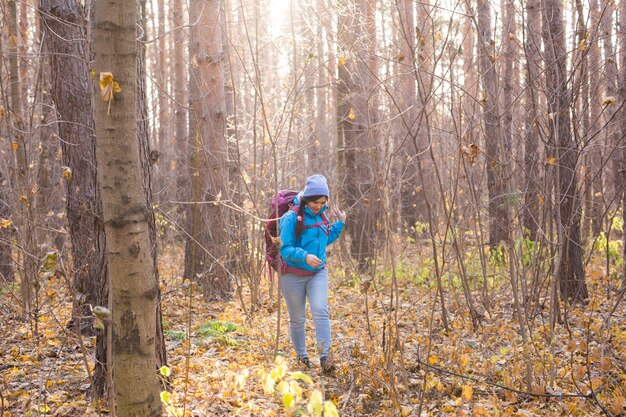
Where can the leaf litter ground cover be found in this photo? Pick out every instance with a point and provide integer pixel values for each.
(395, 357)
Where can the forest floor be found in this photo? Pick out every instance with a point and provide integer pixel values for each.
(395, 356)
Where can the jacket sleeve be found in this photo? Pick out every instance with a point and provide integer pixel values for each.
(288, 250)
(335, 231)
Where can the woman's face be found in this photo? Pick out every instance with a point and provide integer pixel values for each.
(317, 205)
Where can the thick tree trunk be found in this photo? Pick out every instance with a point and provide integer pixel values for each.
(62, 20)
(129, 249)
(357, 150)
(206, 252)
(571, 277)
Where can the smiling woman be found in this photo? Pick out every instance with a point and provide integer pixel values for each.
(305, 233)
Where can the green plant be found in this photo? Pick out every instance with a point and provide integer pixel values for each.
(612, 248)
(530, 250)
(172, 335)
(217, 330)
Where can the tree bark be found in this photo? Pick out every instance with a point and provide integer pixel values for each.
(531, 215)
(357, 148)
(570, 272)
(6, 228)
(63, 20)
(620, 175)
(206, 252)
(129, 250)
(180, 112)
(494, 151)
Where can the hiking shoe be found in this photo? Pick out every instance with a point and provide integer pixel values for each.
(328, 368)
(305, 362)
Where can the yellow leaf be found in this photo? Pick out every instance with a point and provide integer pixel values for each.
(552, 160)
(596, 383)
(583, 45)
(24, 200)
(438, 37)
(479, 411)
(165, 397)
(342, 60)
(351, 114)
(108, 87)
(406, 411)
(330, 410)
(541, 200)
(165, 371)
(288, 400)
(15, 146)
(315, 403)
(618, 405)
(433, 359)
(464, 360)
(268, 384)
(606, 101)
(67, 173)
(54, 342)
(302, 377)
(5, 223)
(467, 392)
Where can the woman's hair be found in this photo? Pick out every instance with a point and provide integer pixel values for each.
(303, 203)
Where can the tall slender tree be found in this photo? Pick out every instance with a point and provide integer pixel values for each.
(207, 249)
(532, 45)
(570, 272)
(6, 261)
(358, 153)
(498, 211)
(125, 212)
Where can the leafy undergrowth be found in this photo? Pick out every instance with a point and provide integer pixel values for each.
(394, 355)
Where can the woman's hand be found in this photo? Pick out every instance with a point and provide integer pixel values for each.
(341, 214)
(313, 261)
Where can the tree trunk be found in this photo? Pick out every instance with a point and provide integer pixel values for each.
(206, 252)
(357, 150)
(20, 175)
(147, 158)
(498, 204)
(570, 272)
(6, 228)
(180, 112)
(125, 215)
(620, 174)
(62, 20)
(411, 190)
(531, 215)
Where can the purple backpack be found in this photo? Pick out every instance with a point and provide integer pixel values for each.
(281, 204)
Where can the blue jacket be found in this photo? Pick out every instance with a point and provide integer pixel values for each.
(314, 241)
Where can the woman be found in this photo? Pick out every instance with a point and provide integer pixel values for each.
(305, 232)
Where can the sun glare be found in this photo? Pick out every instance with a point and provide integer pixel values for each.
(279, 12)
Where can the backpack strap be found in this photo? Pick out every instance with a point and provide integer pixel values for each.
(324, 224)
